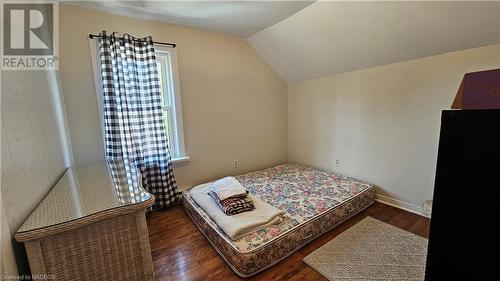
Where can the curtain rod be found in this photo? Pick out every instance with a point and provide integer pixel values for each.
(92, 36)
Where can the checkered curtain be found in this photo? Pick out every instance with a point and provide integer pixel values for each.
(127, 180)
(133, 113)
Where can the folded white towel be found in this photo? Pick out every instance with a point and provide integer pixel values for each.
(227, 187)
(240, 224)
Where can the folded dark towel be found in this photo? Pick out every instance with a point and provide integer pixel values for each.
(233, 205)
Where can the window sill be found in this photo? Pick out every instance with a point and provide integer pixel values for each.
(179, 160)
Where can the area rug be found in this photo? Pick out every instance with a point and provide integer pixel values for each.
(371, 250)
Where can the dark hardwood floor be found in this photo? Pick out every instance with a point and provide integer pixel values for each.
(181, 252)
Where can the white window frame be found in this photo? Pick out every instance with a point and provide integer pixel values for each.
(170, 53)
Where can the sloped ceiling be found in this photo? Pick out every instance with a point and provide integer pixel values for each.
(240, 18)
(328, 38)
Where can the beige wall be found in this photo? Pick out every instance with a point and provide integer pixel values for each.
(234, 105)
(382, 122)
(32, 154)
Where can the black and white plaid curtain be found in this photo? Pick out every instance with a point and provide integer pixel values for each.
(133, 113)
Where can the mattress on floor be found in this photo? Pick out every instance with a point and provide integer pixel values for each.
(314, 202)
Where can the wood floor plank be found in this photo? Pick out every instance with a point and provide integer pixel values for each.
(181, 252)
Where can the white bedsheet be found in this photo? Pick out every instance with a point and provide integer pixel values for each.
(240, 224)
(227, 187)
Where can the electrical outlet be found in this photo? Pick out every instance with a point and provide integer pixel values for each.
(337, 162)
(235, 163)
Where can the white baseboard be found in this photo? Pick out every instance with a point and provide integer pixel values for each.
(412, 208)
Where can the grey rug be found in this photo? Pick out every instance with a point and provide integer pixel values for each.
(371, 250)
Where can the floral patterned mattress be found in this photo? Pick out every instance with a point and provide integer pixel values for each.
(314, 201)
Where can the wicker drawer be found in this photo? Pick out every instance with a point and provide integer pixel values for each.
(88, 229)
(114, 249)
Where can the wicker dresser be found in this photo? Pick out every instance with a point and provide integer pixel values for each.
(91, 226)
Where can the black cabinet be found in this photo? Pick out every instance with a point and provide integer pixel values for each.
(464, 238)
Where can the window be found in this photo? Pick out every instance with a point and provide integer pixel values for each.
(169, 81)
(168, 76)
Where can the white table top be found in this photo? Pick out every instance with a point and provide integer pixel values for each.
(86, 192)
